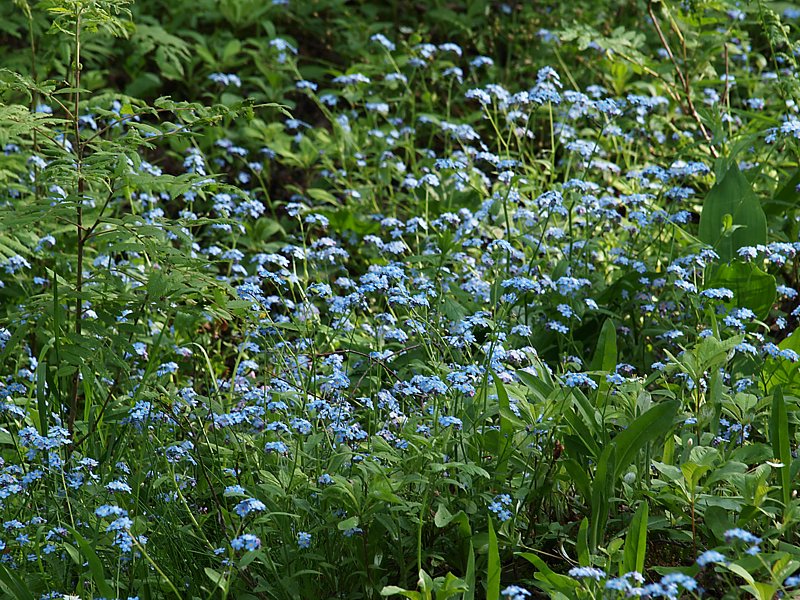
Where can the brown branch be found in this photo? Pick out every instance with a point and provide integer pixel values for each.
(683, 79)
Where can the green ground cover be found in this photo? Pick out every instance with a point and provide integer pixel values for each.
(337, 299)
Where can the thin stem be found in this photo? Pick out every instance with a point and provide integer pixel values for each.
(687, 90)
(73, 408)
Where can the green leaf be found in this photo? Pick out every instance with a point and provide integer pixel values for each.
(718, 520)
(443, 518)
(540, 388)
(693, 473)
(740, 571)
(636, 542)
(393, 590)
(506, 437)
(493, 567)
(784, 372)
(582, 544)
(761, 590)
(469, 576)
(347, 524)
(14, 584)
(781, 446)
(322, 196)
(556, 581)
(605, 354)
(785, 198)
(602, 490)
(217, 578)
(41, 395)
(579, 477)
(425, 582)
(452, 586)
(646, 428)
(752, 288)
(732, 195)
(95, 565)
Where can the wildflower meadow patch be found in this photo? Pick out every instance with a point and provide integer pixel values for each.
(359, 300)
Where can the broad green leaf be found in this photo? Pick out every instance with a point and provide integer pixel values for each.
(605, 354)
(636, 542)
(579, 477)
(761, 590)
(732, 199)
(752, 288)
(555, 581)
(693, 473)
(646, 428)
(540, 389)
(425, 582)
(740, 571)
(781, 371)
(451, 586)
(347, 524)
(443, 518)
(323, 196)
(393, 590)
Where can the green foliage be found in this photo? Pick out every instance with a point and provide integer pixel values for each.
(292, 310)
(732, 216)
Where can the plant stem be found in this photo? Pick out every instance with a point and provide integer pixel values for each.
(73, 408)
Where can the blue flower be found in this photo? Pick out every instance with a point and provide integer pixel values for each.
(741, 535)
(118, 486)
(499, 507)
(246, 541)
(514, 592)
(352, 531)
(448, 421)
(226, 79)
(679, 579)
(587, 573)
(245, 507)
(718, 293)
(278, 447)
(110, 510)
(579, 380)
(711, 556)
(383, 41)
(303, 540)
(166, 368)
